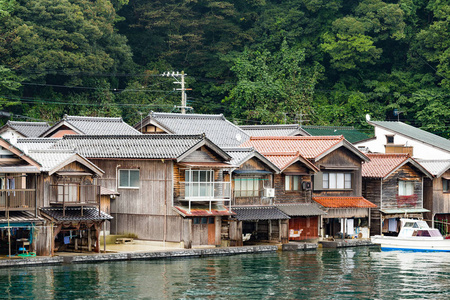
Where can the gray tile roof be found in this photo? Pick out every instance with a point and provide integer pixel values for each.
(301, 209)
(216, 127)
(146, 146)
(436, 167)
(75, 214)
(36, 143)
(49, 159)
(414, 133)
(274, 130)
(28, 129)
(94, 126)
(240, 155)
(254, 213)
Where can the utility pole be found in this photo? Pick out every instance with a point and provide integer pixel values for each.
(183, 89)
(299, 118)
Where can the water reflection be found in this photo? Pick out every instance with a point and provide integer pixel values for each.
(362, 273)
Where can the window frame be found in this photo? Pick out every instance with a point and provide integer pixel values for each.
(389, 139)
(244, 193)
(201, 184)
(337, 181)
(404, 186)
(120, 186)
(289, 181)
(445, 185)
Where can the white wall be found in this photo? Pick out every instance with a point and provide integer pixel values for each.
(420, 149)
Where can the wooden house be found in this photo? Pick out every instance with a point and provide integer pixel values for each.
(394, 182)
(68, 198)
(337, 185)
(173, 188)
(436, 194)
(256, 218)
(19, 219)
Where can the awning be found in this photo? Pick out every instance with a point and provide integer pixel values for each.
(404, 211)
(301, 209)
(19, 219)
(74, 214)
(107, 192)
(205, 164)
(19, 169)
(74, 174)
(203, 210)
(255, 213)
(251, 172)
(344, 202)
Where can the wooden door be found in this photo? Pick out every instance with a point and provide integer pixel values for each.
(211, 231)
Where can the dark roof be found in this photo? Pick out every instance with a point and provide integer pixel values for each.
(216, 127)
(27, 129)
(254, 213)
(145, 146)
(414, 133)
(19, 217)
(350, 133)
(274, 130)
(300, 209)
(74, 214)
(94, 126)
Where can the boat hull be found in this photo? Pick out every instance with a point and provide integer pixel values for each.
(412, 244)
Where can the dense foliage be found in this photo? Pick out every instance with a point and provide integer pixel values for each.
(255, 61)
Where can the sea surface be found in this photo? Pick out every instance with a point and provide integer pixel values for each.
(350, 273)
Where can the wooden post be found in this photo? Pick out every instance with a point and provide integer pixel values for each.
(89, 240)
(218, 230)
(104, 236)
(240, 242)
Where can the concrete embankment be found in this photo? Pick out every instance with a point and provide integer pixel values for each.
(35, 261)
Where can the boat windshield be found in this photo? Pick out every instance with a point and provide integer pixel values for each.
(416, 224)
(429, 233)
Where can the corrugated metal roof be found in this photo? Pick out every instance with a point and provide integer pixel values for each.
(19, 217)
(415, 133)
(203, 211)
(29, 129)
(254, 213)
(300, 209)
(75, 214)
(344, 202)
(146, 146)
(381, 165)
(404, 210)
(274, 130)
(307, 146)
(216, 128)
(351, 134)
(436, 167)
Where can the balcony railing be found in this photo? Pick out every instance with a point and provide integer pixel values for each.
(205, 192)
(17, 199)
(72, 194)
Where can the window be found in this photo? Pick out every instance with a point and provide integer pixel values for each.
(246, 186)
(292, 183)
(389, 139)
(337, 181)
(128, 178)
(446, 185)
(405, 188)
(199, 183)
(68, 192)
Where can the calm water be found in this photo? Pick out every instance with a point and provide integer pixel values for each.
(356, 273)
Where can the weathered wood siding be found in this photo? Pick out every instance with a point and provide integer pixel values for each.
(145, 210)
(265, 182)
(283, 196)
(390, 199)
(341, 160)
(441, 200)
(372, 192)
(309, 227)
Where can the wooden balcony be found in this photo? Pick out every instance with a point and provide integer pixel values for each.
(17, 199)
(74, 194)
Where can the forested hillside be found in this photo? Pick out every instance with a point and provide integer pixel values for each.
(256, 61)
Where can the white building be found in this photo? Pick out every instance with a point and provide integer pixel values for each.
(398, 137)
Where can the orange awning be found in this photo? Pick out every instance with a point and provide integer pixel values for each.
(344, 202)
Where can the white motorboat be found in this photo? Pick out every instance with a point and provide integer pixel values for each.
(415, 235)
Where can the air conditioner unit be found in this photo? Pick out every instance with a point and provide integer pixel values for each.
(269, 192)
(306, 185)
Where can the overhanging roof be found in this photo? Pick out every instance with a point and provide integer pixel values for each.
(255, 213)
(344, 202)
(74, 214)
(198, 210)
(404, 210)
(17, 217)
(301, 209)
